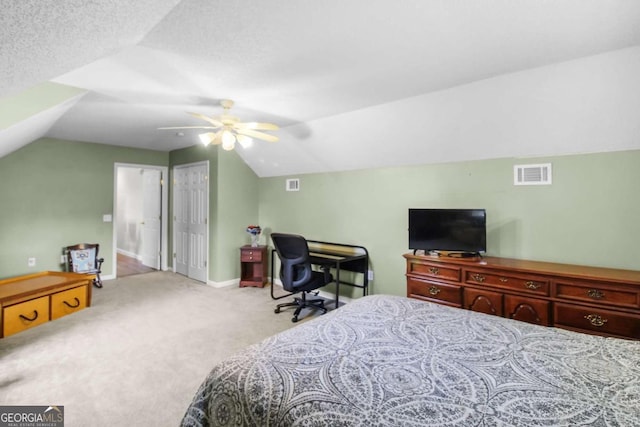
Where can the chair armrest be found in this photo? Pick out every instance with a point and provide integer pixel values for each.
(99, 261)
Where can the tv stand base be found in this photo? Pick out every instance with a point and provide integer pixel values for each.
(450, 254)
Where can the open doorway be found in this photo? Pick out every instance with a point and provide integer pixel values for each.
(140, 230)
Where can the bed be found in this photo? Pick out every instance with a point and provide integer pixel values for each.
(395, 361)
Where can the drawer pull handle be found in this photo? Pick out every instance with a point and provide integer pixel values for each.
(504, 280)
(28, 319)
(434, 290)
(434, 270)
(595, 294)
(478, 278)
(532, 285)
(596, 320)
(73, 306)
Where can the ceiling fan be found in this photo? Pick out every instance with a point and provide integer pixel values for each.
(228, 129)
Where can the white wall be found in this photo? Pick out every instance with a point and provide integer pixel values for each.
(587, 105)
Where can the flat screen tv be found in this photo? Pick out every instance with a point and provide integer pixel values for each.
(454, 230)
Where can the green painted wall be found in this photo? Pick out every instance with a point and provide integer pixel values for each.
(237, 207)
(54, 193)
(34, 100)
(588, 216)
(58, 192)
(233, 204)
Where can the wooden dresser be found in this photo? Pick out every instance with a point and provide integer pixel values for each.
(601, 301)
(28, 301)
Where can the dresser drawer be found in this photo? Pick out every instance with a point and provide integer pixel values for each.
(527, 309)
(250, 255)
(435, 271)
(529, 284)
(483, 301)
(439, 292)
(18, 317)
(597, 292)
(597, 320)
(68, 302)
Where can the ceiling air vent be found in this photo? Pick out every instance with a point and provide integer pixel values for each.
(293, 184)
(539, 174)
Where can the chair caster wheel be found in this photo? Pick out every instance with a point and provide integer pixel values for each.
(277, 310)
(294, 319)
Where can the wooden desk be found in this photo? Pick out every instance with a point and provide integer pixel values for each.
(28, 301)
(339, 257)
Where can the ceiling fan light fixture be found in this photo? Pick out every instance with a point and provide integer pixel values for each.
(228, 140)
(229, 129)
(205, 138)
(244, 140)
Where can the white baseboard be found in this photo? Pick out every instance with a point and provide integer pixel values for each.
(129, 254)
(226, 283)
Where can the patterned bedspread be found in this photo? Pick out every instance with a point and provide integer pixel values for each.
(394, 361)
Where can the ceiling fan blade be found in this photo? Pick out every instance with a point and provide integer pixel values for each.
(190, 127)
(258, 135)
(256, 126)
(216, 123)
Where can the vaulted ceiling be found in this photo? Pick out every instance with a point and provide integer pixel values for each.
(353, 84)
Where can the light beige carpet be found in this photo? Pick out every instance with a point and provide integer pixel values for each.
(138, 354)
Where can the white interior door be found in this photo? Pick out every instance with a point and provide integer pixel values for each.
(199, 212)
(191, 212)
(152, 216)
(181, 220)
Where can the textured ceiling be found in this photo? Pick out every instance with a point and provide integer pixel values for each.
(303, 64)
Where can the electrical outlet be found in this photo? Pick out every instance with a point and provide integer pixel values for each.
(370, 274)
(31, 262)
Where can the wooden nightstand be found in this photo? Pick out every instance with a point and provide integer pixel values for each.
(253, 266)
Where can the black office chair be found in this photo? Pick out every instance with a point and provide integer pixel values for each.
(296, 273)
(83, 258)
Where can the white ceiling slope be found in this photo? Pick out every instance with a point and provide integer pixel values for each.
(353, 84)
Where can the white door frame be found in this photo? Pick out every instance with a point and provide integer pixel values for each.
(164, 249)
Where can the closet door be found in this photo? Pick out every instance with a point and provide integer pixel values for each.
(181, 220)
(198, 214)
(191, 211)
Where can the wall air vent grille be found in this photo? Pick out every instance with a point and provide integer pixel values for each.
(293, 184)
(539, 174)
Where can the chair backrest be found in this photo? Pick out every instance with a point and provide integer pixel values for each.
(295, 265)
(81, 258)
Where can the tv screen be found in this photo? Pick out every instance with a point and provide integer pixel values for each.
(461, 230)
